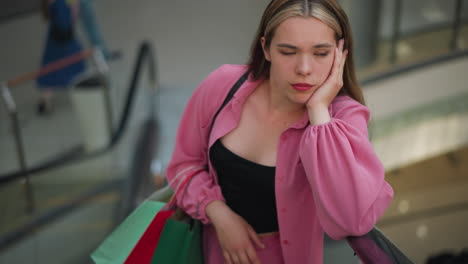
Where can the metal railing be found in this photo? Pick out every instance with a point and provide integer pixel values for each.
(403, 69)
(397, 33)
(12, 109)
(145, 54)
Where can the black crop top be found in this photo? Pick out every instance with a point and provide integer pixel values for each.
(248, 187)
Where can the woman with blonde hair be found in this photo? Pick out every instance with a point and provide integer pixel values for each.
(288, 158)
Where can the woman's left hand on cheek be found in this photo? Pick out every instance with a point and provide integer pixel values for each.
(325, 94)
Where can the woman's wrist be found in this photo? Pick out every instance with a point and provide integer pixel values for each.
(318, 114)
(215, 209)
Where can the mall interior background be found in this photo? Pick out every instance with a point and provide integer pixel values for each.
(411, 60)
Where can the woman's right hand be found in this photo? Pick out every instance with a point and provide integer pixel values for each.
(236, 237)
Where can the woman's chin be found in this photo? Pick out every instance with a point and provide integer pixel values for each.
(301, 98)
(299, 101)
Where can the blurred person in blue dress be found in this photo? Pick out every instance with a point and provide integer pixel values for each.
(62, 16)
(61, 42)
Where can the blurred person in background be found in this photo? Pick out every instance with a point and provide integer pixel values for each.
(91, 27)
(288, 157)
(61, 41)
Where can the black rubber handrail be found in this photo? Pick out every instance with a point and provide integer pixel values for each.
(145, 52)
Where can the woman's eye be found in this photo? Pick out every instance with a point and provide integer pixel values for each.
(287, 53)
(323, 54)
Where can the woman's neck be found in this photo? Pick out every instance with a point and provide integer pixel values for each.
(278, 104)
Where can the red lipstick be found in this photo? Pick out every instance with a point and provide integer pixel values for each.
(301, 86)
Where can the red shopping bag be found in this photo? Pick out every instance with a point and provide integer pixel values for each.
(144, 249)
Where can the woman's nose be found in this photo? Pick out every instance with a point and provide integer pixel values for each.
(304, 66)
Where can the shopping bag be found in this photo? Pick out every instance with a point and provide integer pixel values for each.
(119, 244)
(175, 225)
(143, 250)
(180, 242)
(375, 248)
(172, 237)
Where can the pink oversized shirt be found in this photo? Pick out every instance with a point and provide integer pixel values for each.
(328, 177)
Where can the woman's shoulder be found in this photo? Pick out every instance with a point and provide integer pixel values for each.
(232, 69)
(212, 91)
(220, 80)
(226, 73)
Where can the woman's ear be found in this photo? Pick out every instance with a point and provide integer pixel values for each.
(266, 51)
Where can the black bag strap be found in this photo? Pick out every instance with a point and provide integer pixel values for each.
(229, 96)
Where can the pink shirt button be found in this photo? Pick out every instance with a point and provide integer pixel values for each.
(286, 242)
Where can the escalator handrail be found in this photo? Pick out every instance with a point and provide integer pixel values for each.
(145, 52)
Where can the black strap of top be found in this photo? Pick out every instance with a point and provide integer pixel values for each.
(228, 98)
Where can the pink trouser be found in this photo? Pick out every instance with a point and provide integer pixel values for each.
(272, 253)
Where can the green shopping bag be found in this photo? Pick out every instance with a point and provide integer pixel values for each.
(118, 245)
(180, 242)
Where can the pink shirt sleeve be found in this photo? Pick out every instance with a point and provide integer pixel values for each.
(191, 150)
(345, 174)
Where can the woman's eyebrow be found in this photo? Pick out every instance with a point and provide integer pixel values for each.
(289, 46)
(323, 45)
(317, 46)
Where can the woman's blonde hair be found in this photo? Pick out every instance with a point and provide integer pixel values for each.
(327, 11)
